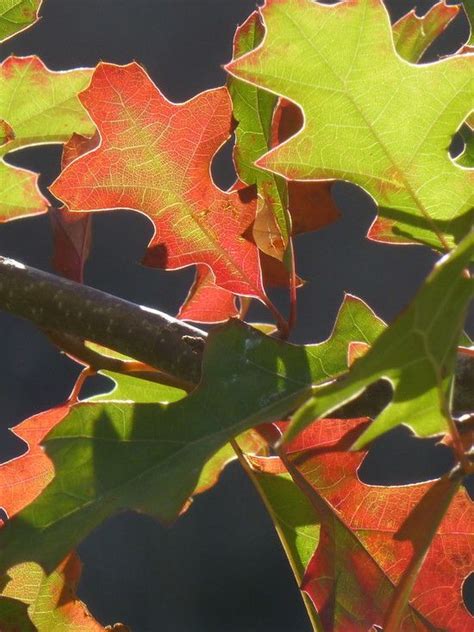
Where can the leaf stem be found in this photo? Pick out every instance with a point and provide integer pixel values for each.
(310, 610)
(293, 288)
(281, 322)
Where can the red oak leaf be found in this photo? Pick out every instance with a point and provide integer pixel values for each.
(206, 301)
(23, 478)
(371, 534)
(154, 157)
(72, 231)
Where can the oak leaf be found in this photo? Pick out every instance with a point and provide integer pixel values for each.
(370, 535)
(39, 106)
(370, 117)
(51, 601)
(413, 34)
(207, 302)
(416, 354)
(148, 456)
(154, 157)
(16, 16)
(284, 208)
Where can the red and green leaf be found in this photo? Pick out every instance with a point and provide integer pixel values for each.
(39, 106)
(414, 34)
(284, 208)
(327, 59)
(16, 16)
(370, 535)
(115, 454)
(50, 600)
(154, 157)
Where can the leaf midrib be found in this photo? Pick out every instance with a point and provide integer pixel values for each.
(374, 133)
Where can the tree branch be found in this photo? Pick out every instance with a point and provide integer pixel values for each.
(71, 312)
(144, 334)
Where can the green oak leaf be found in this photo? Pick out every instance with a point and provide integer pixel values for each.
(135, 389)
(469, 7)
(16, 16)
(48, 602)
(417, 354)
(413, 34)
(141, 391)
(113, 455)
(37, 106)
(294, 518)
(253, 110)
(371, 117)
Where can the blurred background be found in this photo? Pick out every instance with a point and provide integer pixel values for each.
(220, 568)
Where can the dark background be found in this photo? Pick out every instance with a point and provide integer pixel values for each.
(220, 568)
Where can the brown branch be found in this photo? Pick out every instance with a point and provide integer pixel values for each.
(54, 303)
(71, 313)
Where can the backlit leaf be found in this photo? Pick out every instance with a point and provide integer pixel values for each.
(114, 455)
(22, 479)
(51, 600)
(369, 535)
(16, 16)
(370, 117)
(253, 110)
(284, 208)
(413, 35)
(416, 354)
(40, 106)
(293, 517)
(206, 301)
(154, 157)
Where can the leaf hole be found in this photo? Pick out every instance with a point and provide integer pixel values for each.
(95, 385)
(399, 458)
(222, 166)
(457, 145)
(44, 160)
(468, 592)
(469, 485)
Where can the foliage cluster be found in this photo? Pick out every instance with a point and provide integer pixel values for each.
(316, 93)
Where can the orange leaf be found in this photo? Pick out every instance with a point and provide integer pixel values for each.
(154, 157)
(370, 535)
(206, 301)
(23, 478)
